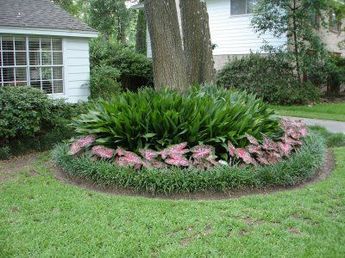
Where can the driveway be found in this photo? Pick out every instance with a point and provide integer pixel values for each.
(332, 126)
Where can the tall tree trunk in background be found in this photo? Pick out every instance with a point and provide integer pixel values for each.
(197, 41)
(121, 36)
(169, 66)
(140, 37)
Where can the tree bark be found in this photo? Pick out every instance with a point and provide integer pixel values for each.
(140, 37)
(197, 41)
(295, 40)
(169, 66)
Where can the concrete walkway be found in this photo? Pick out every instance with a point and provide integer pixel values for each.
(332, 126)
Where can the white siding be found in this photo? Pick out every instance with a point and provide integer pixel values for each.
(233, 35)
(148, 43)
(76, 69)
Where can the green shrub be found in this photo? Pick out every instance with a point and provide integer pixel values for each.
(157, 119)
(135, 69)
(29, 119)
(299, 167)
(23, 111)
(270, 77)
(104, 81)
(5, 152)
(335, 69)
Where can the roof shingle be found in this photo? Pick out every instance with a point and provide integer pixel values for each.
(38, 14)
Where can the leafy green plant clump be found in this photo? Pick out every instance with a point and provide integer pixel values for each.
(157, 119)
(269, 77)
(104, 82)
(29, 120)
(135, 70)
(301, 165)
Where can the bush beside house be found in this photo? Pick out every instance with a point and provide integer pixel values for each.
(29, 120)
(269, 77)
(114, 64)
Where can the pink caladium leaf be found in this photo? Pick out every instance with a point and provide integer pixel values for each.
(285, 149)
(291, 141)
(273, 157)
(102, 152)
(120, 152)
(148, 154)
(304, 131)
(212, 159)
(245, 156)
(87, 140)
(252, 139)
(262, 160)
(81, 143)
(127, 158)
(202, 151)
(254, 149)
(231, 149)
(269, 144)
(158, 164)
(178, 149)
(178, 161)
(294, 128)
(74, 148)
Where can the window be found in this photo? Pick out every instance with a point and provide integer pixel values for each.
(242, 6)
(33, 61)
(334, 23)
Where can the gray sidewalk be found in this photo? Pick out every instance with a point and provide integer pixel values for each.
(332, 126)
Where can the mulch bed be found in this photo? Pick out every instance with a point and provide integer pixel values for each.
(322, 174)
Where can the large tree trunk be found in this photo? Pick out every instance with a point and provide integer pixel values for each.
(169, 66)
(197, 41)
(140, 38)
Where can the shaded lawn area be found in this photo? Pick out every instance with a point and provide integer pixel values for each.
(330, 111)
(40, 216)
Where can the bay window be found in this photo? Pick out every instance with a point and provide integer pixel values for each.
(32, 61)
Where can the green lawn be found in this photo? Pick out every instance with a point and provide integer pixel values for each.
(331, 111)
(41, 217)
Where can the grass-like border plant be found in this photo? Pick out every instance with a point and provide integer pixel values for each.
(299, 167)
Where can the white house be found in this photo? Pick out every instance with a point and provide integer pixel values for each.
(42, 46)
(233, 35)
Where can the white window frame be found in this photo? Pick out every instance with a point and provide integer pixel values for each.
(28, 65)
(242, 14)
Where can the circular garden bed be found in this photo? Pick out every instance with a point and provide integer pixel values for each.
(204, 140)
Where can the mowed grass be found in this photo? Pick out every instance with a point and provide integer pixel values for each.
(42, 217)
(330, 111)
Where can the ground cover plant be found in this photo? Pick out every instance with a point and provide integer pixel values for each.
(301, 165)
(332, 139)
(42, 216)
(328, 111)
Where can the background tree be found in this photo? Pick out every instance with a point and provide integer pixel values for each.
(300, 21)
(179, 63)
(111, 17)
(197, 41)
(74, 7)
(140, 37)
(169, 66)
